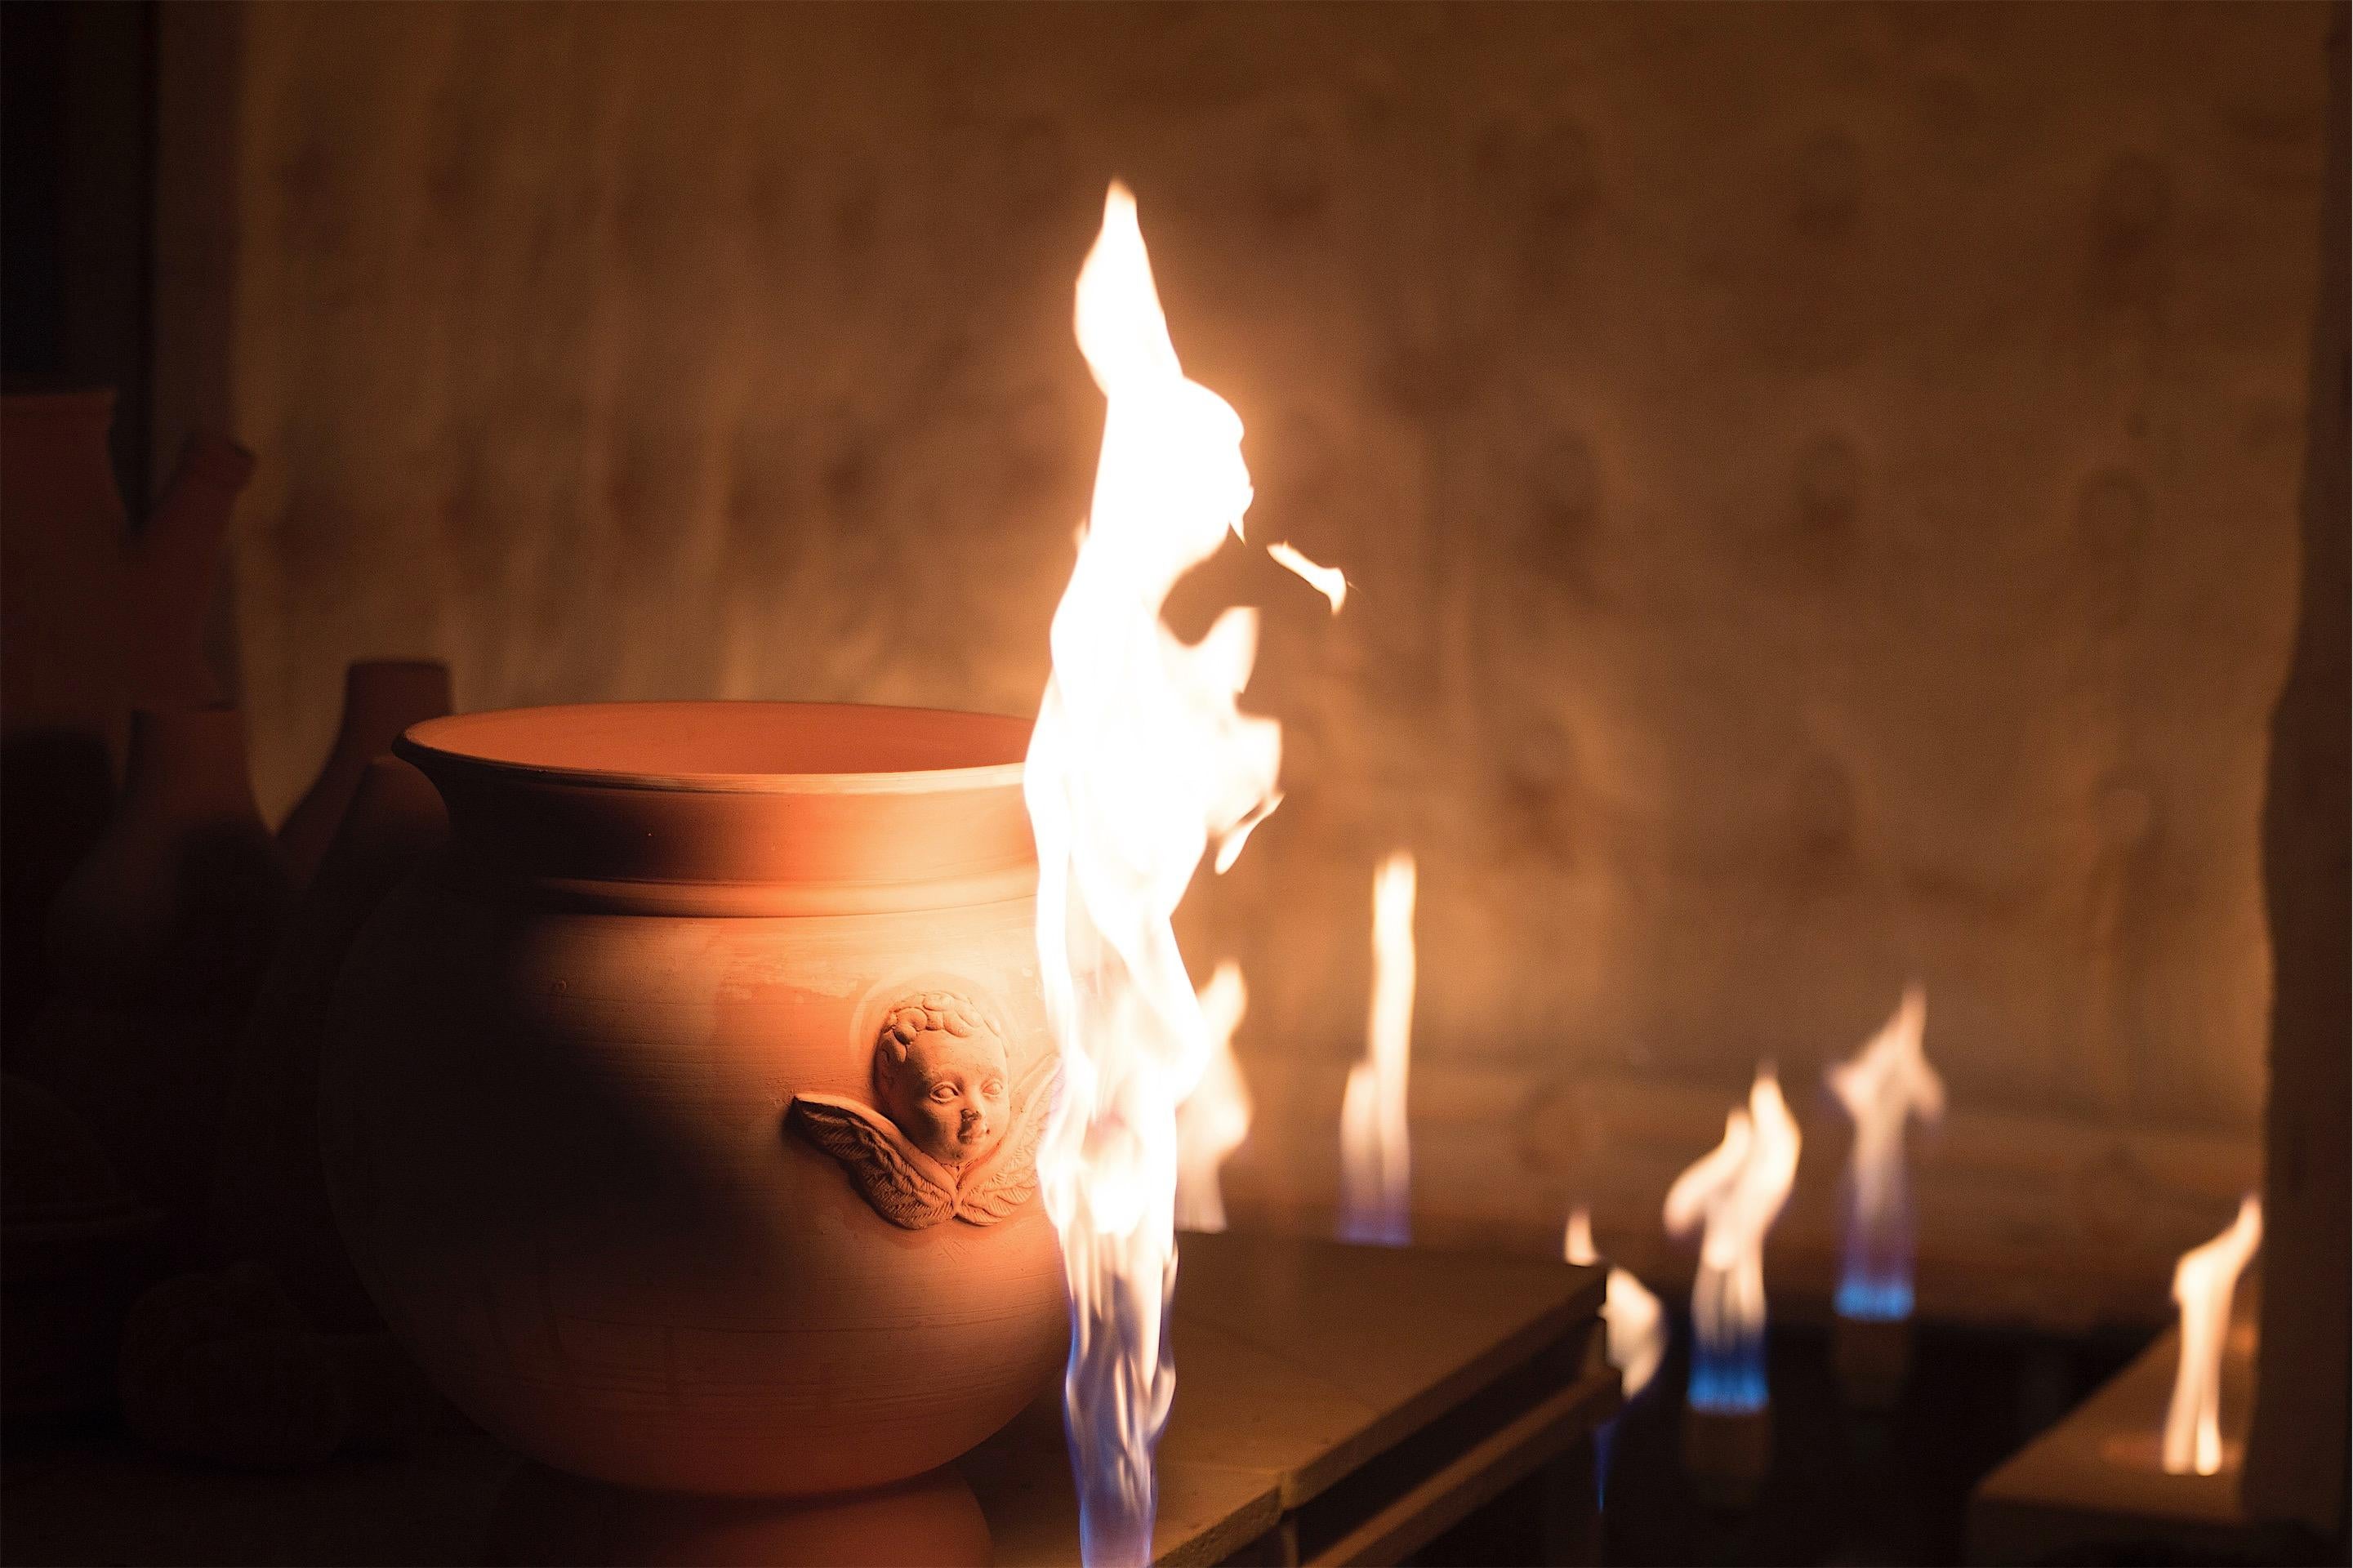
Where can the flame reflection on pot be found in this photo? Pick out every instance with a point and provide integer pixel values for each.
(1887, 1082)
(1731, 1196)
(2203, 1283)
(1215, 1117)
(1140, 763)
(1375, 1174)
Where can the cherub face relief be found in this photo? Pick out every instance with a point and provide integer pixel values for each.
(952, 1135)
(949, 1095)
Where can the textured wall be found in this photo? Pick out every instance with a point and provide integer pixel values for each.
(1819, 484)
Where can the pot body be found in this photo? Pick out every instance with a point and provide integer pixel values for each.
(556, 1077)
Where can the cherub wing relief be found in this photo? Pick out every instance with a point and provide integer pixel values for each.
(1008, 1178)
(906, 1186)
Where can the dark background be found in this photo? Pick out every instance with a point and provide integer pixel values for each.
(77, 86)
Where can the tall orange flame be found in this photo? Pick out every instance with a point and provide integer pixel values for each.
(1215, 1117)
(1376, 1177)
(1140, 764)
(2203, 1283)
(1888, 1082)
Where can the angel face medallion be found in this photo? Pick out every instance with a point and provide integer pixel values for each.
(957, 1137)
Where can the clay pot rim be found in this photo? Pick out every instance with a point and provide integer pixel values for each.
(455, 741)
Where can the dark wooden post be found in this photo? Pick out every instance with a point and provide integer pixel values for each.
(2296, 1452)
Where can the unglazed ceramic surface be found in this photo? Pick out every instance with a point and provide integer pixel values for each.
(957, 1137)
(556, 1105)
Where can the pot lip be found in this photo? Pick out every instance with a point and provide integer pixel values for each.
(438, 744)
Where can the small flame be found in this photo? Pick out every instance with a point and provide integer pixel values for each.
(1732, 1196)
(1375, 1155)
(1634, 1324)
(1139, 764)
(1327, 581)
(1888, 1080)
(1214, 1119)
(2203, 1283)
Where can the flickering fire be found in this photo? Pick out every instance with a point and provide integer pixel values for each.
(2203, 1283)
(1213, 1120)
(1732, 1196)
(1375, 1177)
(1634, 1324)
(1325, 580)
(1888, 1082)
(1140, 763)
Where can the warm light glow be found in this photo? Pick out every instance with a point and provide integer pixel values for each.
(2203, 1283)
(1375, 1177)
(1634, 1324)
(1325, 580)
(1731, 1196)
(1887, 1081)
(1140, 764)
(1213, 1120)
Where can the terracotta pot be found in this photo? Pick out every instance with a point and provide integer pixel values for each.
(168, 588)
(62, 667)
(62, 530)
(56, 794)
(97, 619)
(223, 1366)
(75, 1247)
(186, 886)
(268, 1193)
(156, 944)
(92, 621)
(382, 697)
(617, 1107)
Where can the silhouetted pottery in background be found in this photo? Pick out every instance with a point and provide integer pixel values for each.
(557, 1092)
(546, 1518)
(57, 795)
(62, 676)
(382, 697)
(75, 1247)
(168, 590)
(94, 620)
(63, 538)
(269, 1191)
(223, 1366)
(156, 944)
(97, 619)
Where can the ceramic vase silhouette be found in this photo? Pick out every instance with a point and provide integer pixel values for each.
(94, 620)
(63, 535)
(157, 942)
(269, 1191)
(563, 1092)
(76, 1247)
(382, 697)
(62, 668)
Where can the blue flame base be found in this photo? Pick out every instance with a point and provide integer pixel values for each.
(1375, 1229)
(1118, 1496)
(1728, 1380)
(1874, 1300)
